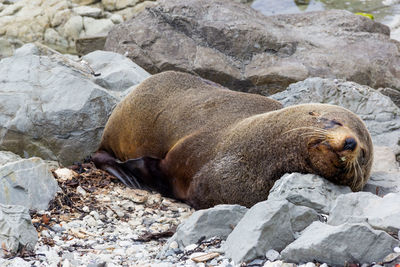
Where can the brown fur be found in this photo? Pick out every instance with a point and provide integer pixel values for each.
(220, 146)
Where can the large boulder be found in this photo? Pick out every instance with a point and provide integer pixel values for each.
(265, 226)
(55, 107)
(381, 213)
(26, 182)
(218, 221)
(236, 46)
(307, 190)
(16, 229)
(335, 245)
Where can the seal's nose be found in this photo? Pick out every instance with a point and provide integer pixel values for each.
(350, 144)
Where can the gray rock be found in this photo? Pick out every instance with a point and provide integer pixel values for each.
(379, 113)
(86, 45)
(392, 93)
(385, 173)
(240, 48)
(380, 213)
(16, 228)
(55, 110)
(265, 226)
(355, 243)
(118, 73)
(301, 217)
(7, 156)
(217, 221)
(308, 190)
(14, 262)
(382, 183)
(27, 182)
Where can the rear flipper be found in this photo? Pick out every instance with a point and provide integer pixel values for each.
(142, 173)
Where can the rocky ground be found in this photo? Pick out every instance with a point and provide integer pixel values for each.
(54, 108)
(96, 221)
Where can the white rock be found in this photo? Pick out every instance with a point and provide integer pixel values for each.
(81, 191)
(87, 11)
(65, 173)
(95, 27)
(90, 221)
(73, 27)
(86, 209)
(272, 255)
(190, 247)
(95, 214)
(173, 245)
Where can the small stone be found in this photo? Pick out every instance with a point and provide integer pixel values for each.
(85, 209)
(90, 221)
(66, 263)
(273, 264)
(95, 214)
(120, 213)
(204, 257)
(173, 245)
(396, 249)
(81, 191)
(125, 243)
(190, 247)
(256, 262)
(65, 174)
(391, 257)
(109, 214)
(272, 255)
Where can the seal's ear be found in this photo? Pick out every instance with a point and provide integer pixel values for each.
(141, 173)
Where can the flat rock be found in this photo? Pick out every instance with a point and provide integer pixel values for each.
(27, 182)
(265, 226)
(218, 221)
(379, 212)
(307, 190)
(385, 173)
(57, 110)
(16, 229)
(380, 114)
(242, 49)
(334, 245)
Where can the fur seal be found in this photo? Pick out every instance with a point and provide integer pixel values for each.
(199, 142)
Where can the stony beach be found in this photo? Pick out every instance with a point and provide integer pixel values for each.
(58, 209)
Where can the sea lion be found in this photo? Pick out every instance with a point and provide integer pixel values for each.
(199, 142)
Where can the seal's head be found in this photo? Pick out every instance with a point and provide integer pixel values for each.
(339, 146)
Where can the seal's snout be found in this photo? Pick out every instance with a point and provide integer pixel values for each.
(350, 144)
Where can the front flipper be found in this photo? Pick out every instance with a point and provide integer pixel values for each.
(142, 173)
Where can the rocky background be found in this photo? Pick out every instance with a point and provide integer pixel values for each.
(53, 108)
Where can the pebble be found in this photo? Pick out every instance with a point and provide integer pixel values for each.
(272, 255)
(174, 245)
(273, 264)
(81, 191)
(396, 249)
(86, 209)
(190, 247)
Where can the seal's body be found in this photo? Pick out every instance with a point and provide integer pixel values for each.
(199, 142)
